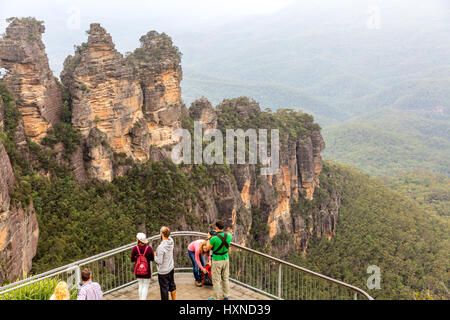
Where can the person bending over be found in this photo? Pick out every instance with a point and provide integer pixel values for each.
(197, 251)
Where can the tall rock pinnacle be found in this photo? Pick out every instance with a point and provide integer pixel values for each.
(22, 54)
(130, 103)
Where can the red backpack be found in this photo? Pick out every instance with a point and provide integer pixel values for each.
(141, 264)
(207, 277)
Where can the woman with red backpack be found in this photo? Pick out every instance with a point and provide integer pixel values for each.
(142, 255)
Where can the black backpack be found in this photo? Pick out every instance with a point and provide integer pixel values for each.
(223, 244)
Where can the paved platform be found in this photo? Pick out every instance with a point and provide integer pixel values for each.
(186, 290)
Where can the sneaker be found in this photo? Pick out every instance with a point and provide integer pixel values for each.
(198, 283)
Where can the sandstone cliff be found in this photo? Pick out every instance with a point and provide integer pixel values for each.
(247, 198)
(18, 227)
(134, 103)
(157, 63)
(22, 54)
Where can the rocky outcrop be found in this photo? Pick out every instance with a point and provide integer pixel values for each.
(157, 64)
(22, 54)
(202, 110)
(135, 102)
(250, 198)
(78, 165)
(99, 156)
(106, 97)
(18, 227)
(310, 162)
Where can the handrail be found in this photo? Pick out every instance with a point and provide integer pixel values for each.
(294, 266)
(112, 252)
(77, 263)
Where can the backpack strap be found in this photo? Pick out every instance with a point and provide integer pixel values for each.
(139, 252)
(223, 244)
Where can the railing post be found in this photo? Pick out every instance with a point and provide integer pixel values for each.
(279, 280)
(356, 296)
(151, 263)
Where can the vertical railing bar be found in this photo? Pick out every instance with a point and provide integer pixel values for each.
(115, 273)
(310, 289)
(125, 269)
(279, 280)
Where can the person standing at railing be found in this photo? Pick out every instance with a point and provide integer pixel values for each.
(220, 242)
(164, 262)
(142, 255)
(89, 290)
(197, 250)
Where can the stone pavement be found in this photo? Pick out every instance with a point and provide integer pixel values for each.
(186, 290)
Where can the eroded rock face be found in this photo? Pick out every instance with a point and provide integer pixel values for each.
(272, 199)
(19, 230)
(310, 162)
(135, 102)
(100, 156)
(202, 110)
(157, 64)
(105, 93)
(29, 77)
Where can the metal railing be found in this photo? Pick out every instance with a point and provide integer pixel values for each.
(254, 270)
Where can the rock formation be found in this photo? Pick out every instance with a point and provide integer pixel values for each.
(274, 196)
(106, 97)
(18, 227)
(157, 63)
(134, 102)
(29, 77)
(202, 110)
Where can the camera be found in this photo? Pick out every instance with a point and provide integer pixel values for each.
(213, 232)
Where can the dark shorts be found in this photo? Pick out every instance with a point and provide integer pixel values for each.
(166, 284)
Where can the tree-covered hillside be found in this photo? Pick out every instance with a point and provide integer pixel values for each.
(378, 226)
(391, 140)
(431, 191)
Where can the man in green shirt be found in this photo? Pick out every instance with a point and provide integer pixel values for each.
(220, 269)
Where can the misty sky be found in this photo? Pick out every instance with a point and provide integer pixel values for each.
(66, 20)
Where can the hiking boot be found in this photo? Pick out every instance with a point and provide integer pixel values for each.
(198, 283)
